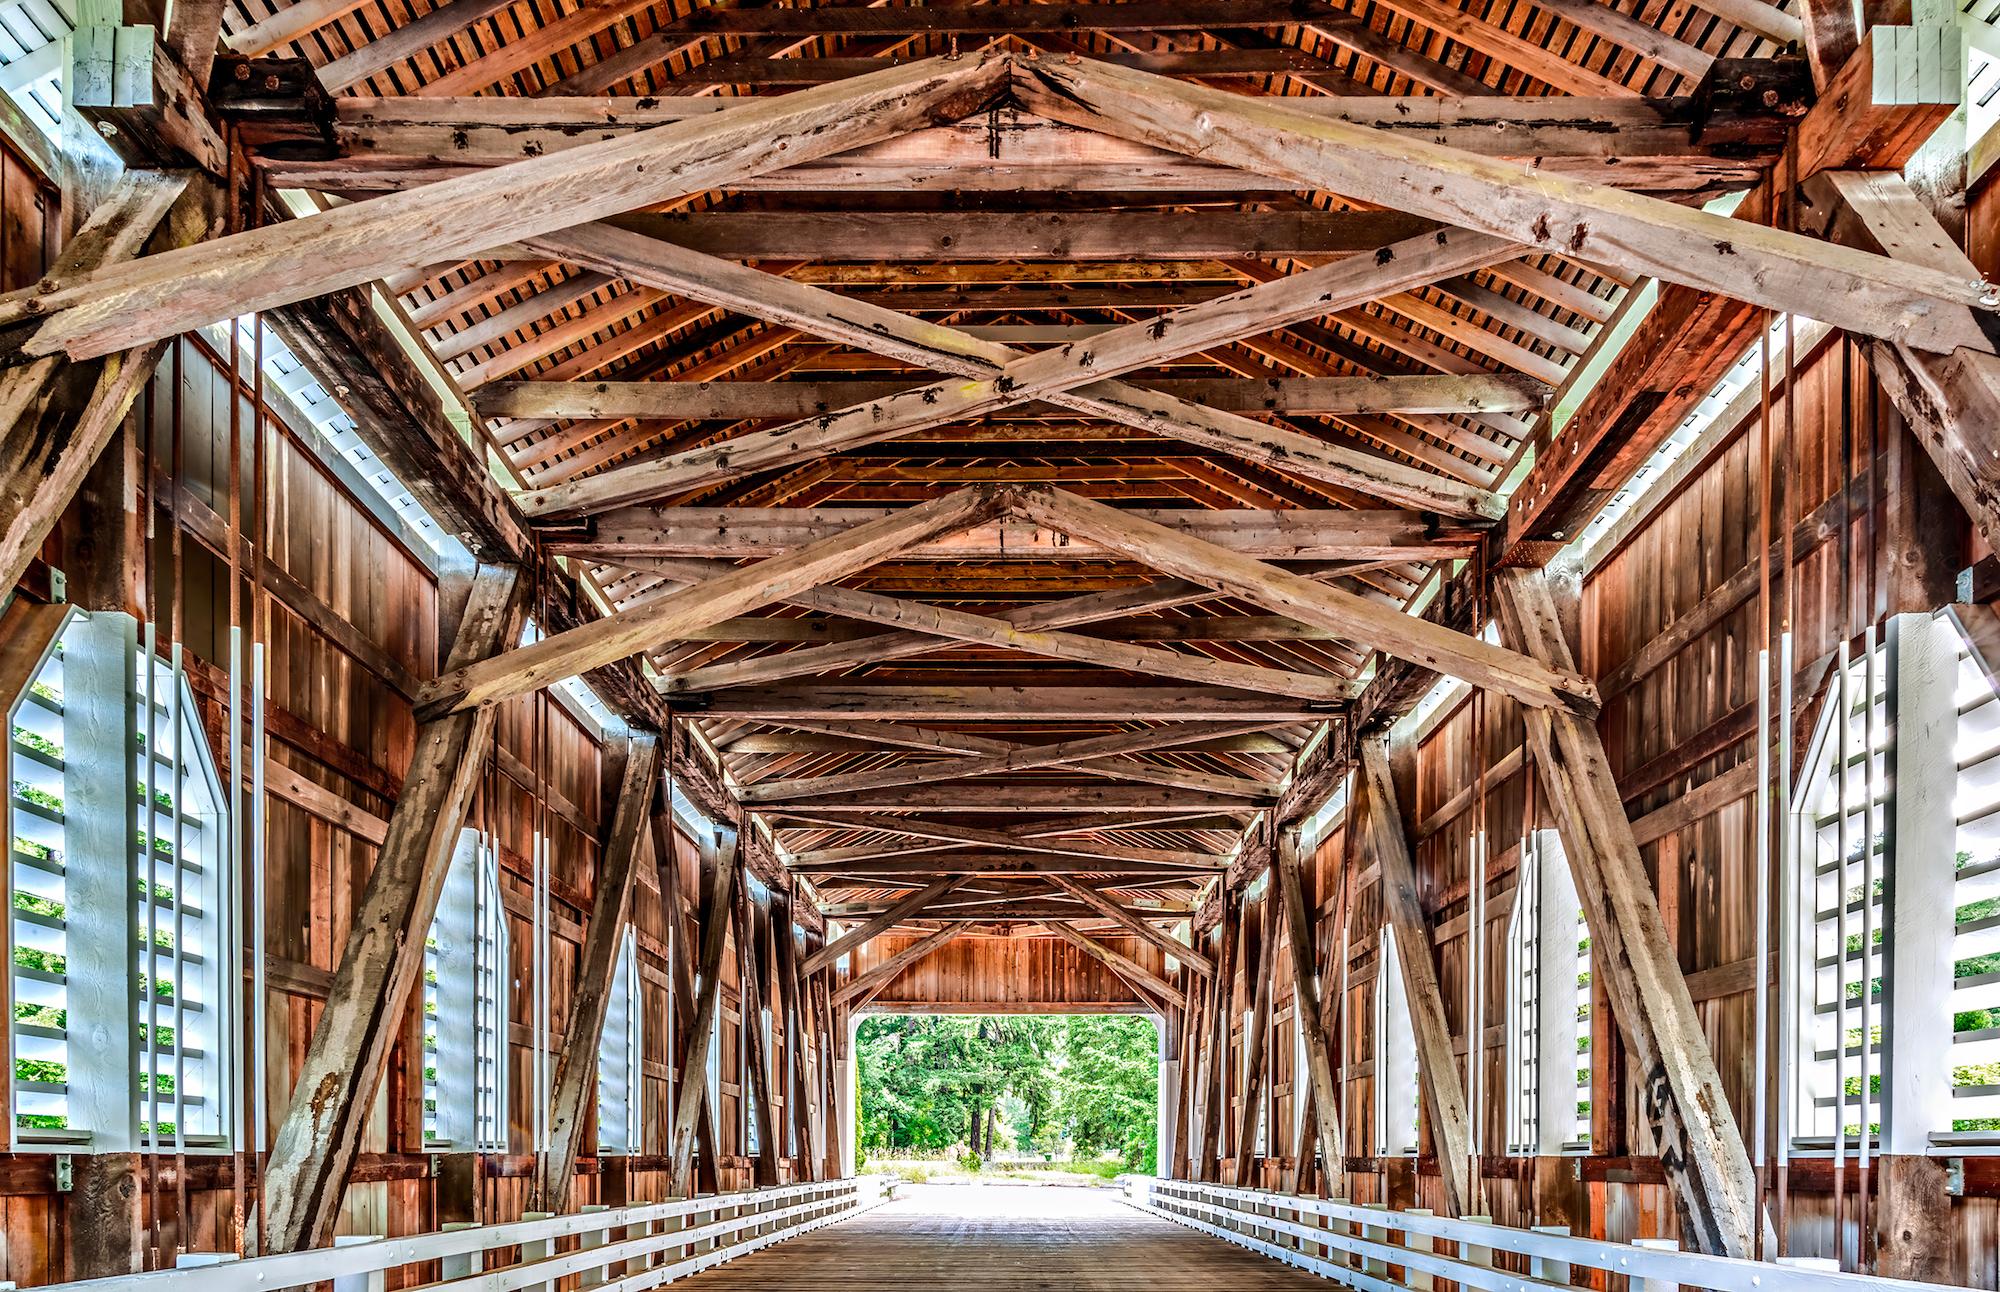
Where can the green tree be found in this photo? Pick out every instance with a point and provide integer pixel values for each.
(1111, 1087)
(928, 1083)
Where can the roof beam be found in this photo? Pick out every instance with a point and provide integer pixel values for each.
(1133, 921)
(938, 348)
(121, 306)
(898, 911)
(1005, 704)
(730, 533)
(1951, 402)
(740, 400)
(876, 735)
(1084, 367)
(939, 621)
(1755, 263)
(627, 632)
(897, 867)
(388, 152)
(1381, 627)
(1065, 613)
(1597, 435)
(1063, 753)
(1058, 19)
(1007, 841)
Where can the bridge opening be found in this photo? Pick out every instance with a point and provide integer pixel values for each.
(1008, 1099)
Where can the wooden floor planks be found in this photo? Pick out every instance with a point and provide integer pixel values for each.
(1003, 1238)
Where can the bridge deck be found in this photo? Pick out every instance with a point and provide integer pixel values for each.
(1003, 1238)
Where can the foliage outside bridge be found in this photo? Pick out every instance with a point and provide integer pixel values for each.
(1078, 1087)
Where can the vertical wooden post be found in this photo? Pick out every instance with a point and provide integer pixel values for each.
(839, 1163)
(104, 1216)
(1701, 1149)
(322, 1131)
(1196, 1067)
(1913, 1225)
(1215, 1077)
(1256, 1056)
(1173, 1041)
(668, 860)
(1306, 1000)
(752, 1000)
(1437, 1059)
(590, 998)
(692, 1086)
(804, 1046)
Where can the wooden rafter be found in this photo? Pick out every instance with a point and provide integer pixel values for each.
(903, 909)
(859, 990)
(1764, 266)
(93, 314)
(1088, 753)
(1389, 630)
(950, 350)
(566, 654)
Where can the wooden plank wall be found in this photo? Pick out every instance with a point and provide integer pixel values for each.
(1024, 974)
(350, 619)
(30, 227)
(1671, 726)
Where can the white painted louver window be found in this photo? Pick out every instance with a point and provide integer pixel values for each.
(621, 1057)
(121, 934)
(1548, 1005)
(1975, 934)
(1396, 1098)
(1579, 1068)
(1524, 1016)
(466, 975)
(1839, 895)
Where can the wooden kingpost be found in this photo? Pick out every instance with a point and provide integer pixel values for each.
(1437, 1062)
(692, 1079)
(1701, 1149)
(315, 1146)
(1307, 1003)
(610, 912)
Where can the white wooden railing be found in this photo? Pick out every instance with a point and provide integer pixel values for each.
(620, 1249)
(1373, 1248)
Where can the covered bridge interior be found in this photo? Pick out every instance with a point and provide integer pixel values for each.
(561, 551)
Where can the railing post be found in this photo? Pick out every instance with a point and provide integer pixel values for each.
(1548, 1269)
(465, 1264)
(372, 1281)
(589, 1238)
(1657, 1245)
(1417, 1280)
(539, 1249)
(1472, 1255)
(1370, 1264)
